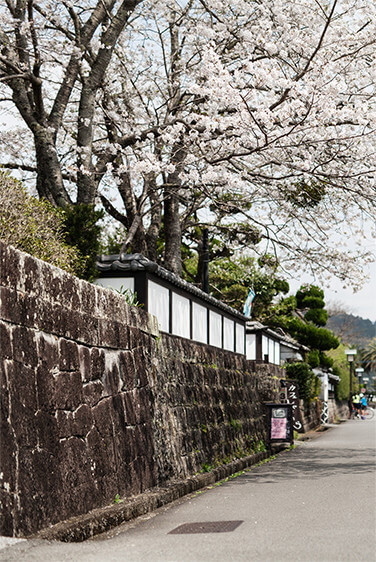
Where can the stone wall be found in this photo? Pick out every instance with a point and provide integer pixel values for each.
(96, 402)
(337, 410)
(311, 414)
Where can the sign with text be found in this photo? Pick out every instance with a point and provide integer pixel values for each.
(293, 399)
(280, 427)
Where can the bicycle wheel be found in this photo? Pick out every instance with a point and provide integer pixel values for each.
(369, 413)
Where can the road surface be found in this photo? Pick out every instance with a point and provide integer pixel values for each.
(316, 502)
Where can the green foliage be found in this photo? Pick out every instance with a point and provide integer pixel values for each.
(284, 308)
(130, 296)
(309, 384)
(311, 302)
(307, 327)
(83, 231)
(230, 281)
(236, 425)
(34, 226)
(112, 242)
(313, 358)
(259, 447)
(325, 360)
(304, 194)
(317, 316)
(307, 334)
(341, 369)
(310, 296)
(368, 356)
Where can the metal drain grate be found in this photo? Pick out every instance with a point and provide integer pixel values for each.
(206, 527)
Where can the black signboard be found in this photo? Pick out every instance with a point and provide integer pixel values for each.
(280, 423)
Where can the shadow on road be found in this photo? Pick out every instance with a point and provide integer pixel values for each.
(312, 464)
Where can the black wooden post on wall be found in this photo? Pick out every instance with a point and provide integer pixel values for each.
(205, 260)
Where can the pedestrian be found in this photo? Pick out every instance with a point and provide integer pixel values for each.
(356, 405)
(363, 406)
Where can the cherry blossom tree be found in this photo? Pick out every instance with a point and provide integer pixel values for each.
(48, 50)
(255, 119)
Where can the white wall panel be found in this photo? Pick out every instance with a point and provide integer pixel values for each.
(199, 323)
(215, 329)
(271, 351)
(251, 346)
(158, 304)
(228, 334)
(277, 355)
(116, 283)
(180, 316)
(240, 342)
(265, 346)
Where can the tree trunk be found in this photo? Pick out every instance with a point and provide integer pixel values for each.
(49, 178)
(154, 229)
(172, 254)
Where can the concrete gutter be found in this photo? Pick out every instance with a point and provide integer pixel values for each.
(100, 520)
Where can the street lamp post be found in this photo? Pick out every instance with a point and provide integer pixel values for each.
(359, 371)
(350, 353)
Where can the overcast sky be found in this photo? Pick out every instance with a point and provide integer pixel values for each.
(362, 303)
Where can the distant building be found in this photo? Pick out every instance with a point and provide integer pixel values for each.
(271, 345)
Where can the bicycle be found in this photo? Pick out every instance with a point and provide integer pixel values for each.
(369, 413)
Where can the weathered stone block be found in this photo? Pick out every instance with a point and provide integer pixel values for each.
(47, 432)
(67, 390)
(92, 392)
(8, 511)
(77, 424)
(102, 414)
(24, 346)
(10, 260)
(22, 387)
(11, 310)
(64, 420)
(31, 276)
(76, 485)
(46, 317)
(88, 299)
(48, 351)
(68, 355)
(127, 370)
(6, 349)
(101, 453)
(111, 380)
(98, 363)
(82, 421)
(8, 447)
(129, 408)
(84, 357)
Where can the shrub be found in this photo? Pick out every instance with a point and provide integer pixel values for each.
(309, 384)
(318, 316)
(82, 230)
(34, 226)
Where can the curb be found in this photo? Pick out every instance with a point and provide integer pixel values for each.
(100, 520)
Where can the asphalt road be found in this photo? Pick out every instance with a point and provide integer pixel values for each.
(316, 502)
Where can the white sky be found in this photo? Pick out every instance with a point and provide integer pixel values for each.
(362, 303)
